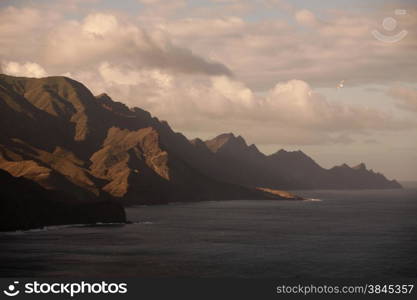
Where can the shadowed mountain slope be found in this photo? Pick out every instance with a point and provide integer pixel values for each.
(25, 204)
(288, 169)
(55, 132)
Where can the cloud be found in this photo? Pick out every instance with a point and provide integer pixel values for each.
(103, 37)
(296, 102)
(225, 1)
(26, 69)
(161, 8)
(100, 24)
(208, 72)
(291, 112)
(17, 21)
(65, 45)
(406, 97)
(306, 17)
(322, 51)
(22, 30)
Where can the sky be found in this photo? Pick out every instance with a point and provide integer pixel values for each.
(336, 79)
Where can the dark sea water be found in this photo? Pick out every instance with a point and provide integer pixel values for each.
(347, 234)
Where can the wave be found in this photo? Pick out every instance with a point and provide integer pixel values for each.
(143, 223)
(57, 227)
(312, 200)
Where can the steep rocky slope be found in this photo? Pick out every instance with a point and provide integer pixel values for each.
(25, 204)
(55, 132)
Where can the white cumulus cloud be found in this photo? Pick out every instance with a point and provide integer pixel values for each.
(26, 69)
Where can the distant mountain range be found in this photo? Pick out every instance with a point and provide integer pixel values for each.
(56, 133)
(245, 164)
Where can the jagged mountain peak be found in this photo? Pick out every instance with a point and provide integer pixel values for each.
(67, 88)
(103, 96)
(343, 166)
(226, 140)
(295, 152)
(291, 155)
(226, 135)
(62, 98)
(296, 162)
(117, 107)
(360, 166)
(197, 142)
(253, 148)
(130, 152)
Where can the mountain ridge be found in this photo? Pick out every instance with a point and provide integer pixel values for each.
(296, 169)
(57, 133)
(91, 145)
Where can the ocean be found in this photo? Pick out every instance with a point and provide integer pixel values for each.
(335, 234)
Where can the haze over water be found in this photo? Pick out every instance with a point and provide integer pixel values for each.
(348, 234)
